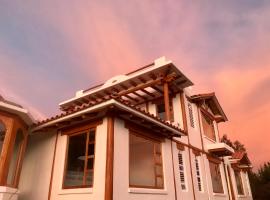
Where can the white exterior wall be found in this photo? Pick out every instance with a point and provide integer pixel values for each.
(121, 189)
(188, 193)
(95, 193)
(36, 168)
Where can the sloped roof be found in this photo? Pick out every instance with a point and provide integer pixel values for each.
(16, 109)
(118, 102)
(241, 156)
(213, 103)
(137, 86)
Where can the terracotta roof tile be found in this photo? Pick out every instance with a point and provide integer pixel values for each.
(90, 104)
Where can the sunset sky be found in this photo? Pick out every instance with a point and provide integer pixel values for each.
(50, 49)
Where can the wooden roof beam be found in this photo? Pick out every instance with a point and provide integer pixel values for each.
(148, 93)
(140, 86)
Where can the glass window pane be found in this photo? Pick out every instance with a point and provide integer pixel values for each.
(142, 167)
(2, 135)
(14, 157)
(90, 163)
(239, 183)
(91, 149)
(92, 136)
(216, 177)
(208, 127)
(89, 178)
(159, 182)
(75, 160)
(159, 170)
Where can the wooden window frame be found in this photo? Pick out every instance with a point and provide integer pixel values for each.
(73, 132)
(155, 141)
(12, 123)
(161, 101)
(205, 116)
(215, 162)
(241, 182)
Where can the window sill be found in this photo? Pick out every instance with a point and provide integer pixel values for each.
(147, 191)
(241, 196)
(220, 194)
(76, 191)
(211, 140)
(8, 190)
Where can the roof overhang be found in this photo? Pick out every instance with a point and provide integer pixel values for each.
(220, 149)
(19, 111)
(123, 110)
(240, 158)
(214, 104)
(143, 85)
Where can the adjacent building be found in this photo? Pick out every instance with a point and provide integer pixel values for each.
(143, 135)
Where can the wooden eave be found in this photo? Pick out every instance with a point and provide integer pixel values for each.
(138, 89)
(121, 108)
(214, 104)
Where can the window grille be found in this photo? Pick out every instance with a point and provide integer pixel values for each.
(182, 171)
(198, 174)
(191, 118)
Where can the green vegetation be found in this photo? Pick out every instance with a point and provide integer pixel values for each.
(260, 182)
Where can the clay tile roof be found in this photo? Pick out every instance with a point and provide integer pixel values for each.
(238, 155)
(126, 103)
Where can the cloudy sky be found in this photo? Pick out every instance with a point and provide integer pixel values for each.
(50, 49)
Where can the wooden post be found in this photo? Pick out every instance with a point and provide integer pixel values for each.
(166, 101)
(109, 159)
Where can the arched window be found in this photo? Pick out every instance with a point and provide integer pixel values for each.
(16, 154)
(2, 134)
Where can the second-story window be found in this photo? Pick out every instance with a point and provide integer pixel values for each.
(160, 108)
(208, 127)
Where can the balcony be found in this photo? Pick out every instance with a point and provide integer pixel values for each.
(220, 149)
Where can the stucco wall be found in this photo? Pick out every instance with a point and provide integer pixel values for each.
(95, 193)
(36, 169)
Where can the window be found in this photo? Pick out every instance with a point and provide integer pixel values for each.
(198, 173)
(216, 177)
(145, 162)
(2, 135)
(191, 118)
(79, 170)
(181, 166)
(13, 166)
(248, 184)
(208, 127)
(160, 107)
(239, 182)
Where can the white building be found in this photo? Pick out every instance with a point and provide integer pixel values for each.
(142, 135)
